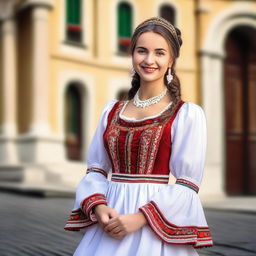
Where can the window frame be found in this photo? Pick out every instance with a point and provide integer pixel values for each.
(124, 41)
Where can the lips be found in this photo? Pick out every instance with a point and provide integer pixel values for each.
(149, 69)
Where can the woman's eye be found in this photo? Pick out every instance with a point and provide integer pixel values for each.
(160, 53)
(141, 51)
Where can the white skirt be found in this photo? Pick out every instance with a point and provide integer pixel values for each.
(127, 198)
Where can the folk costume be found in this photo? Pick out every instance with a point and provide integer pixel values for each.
(140, 154)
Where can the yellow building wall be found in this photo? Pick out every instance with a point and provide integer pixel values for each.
(99, 56)
(102, 61)
(213, 9)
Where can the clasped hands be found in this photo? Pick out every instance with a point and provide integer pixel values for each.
(115, 225)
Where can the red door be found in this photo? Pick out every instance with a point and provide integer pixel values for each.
(240, 112)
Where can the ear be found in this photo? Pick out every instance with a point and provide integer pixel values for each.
(170, 63)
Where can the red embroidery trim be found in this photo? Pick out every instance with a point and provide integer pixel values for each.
(97, 170)
(170, 233)
(188, 184)
(91, 201)
(77, 221)
(84, 217)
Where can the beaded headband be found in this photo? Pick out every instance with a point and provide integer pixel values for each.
(162, 22)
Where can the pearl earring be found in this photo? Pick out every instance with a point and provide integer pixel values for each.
(169, 76)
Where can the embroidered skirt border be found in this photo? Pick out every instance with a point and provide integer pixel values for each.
(194, 235)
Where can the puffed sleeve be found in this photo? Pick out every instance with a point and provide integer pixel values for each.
(175, 213)
(92, 188)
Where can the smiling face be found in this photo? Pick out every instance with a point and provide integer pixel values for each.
(151, 57)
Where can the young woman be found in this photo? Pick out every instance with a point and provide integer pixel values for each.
(143, 140)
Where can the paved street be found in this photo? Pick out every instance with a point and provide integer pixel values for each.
(32, 226)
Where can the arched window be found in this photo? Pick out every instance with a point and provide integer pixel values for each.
(124, 26)
(73, 122)
(73, 21)
(167, 12)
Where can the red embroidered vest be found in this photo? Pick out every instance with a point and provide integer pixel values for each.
(142, 147)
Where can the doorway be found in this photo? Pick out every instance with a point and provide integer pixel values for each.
(240, 111)
(73, 122)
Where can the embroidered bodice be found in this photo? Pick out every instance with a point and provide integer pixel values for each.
(141, 147)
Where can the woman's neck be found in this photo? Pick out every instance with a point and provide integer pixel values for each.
(148, 90)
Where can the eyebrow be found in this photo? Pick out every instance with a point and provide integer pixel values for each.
(157, 49)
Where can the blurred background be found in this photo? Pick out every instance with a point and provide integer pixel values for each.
(61, 61)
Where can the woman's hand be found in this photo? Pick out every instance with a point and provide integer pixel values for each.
(121, 225)
(104, 213)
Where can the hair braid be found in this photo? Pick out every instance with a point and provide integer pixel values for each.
(175, 92)
(135, 86)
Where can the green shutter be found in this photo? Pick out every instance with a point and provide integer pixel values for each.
(68, 11)
(124, 20)
(73, 12)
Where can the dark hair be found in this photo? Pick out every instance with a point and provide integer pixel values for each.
(166, 30)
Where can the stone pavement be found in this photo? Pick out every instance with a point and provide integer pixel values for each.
(33, 226)
(246, 204)
(233, 233)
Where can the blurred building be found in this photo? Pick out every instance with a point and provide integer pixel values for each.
(61, 61)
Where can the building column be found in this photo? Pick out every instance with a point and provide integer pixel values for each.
(39, 145)
(212, 99)
(8, 152)
(40, 72)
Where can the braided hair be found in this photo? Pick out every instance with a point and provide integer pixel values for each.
(173, 38)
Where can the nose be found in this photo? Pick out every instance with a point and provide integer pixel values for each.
(149, 60)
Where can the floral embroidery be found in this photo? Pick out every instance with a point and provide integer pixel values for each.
(120, 137)
(127, 152)
(144, 146)
(154, 147)
(113, 135)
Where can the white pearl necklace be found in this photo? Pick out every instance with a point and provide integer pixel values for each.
(145, 103)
